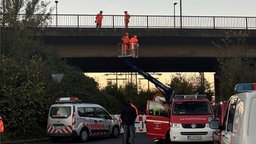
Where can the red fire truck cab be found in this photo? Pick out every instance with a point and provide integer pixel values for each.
(185, 119)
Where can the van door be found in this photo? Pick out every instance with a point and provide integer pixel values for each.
(60, 120)
(157, 120)
(104, 120)
(228, 122)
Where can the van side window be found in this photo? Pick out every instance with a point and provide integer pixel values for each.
(101, 113)
(231, 114)
(238, 116)
(89, 112)
(81, 112)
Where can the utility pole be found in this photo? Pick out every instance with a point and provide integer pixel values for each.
(56, 13)
(181, 14)
(174, 23)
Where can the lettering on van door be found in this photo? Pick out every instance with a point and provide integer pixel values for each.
(94, 125)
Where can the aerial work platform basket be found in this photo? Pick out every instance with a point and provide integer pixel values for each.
(128, 50)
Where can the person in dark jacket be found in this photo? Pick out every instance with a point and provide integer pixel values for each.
(128, 117)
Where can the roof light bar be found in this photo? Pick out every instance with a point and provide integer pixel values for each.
(198, 96)
(68, 100)
(244, 87)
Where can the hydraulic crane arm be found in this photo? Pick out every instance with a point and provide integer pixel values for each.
(168, 92)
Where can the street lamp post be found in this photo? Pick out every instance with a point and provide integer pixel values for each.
(181, 14)
(174, 23)
(56, 13)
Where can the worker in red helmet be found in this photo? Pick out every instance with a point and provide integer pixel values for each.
(98, 20)
(125, 46)
(126, 19)
(134, 45)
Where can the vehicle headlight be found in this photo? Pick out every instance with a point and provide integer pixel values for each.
(176, 125)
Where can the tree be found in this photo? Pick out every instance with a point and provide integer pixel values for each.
(27, 89)
(233, 70)
(181, 85)
(193, 85)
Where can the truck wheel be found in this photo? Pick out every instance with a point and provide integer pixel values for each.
(84, 135)
(115, 132)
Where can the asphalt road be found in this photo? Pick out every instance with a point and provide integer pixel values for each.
(140, 138)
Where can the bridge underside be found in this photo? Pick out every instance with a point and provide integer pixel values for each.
(171, 64)
(161, 50)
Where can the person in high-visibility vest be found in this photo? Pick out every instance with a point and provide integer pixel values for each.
(128, 116)
(125, 46)
(1, 125)
(126, 19)
(1, 128)
(98, 20)
(134, 45)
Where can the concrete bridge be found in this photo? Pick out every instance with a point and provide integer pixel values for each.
(164, 46)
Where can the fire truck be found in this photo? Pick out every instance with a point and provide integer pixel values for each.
(176, 118)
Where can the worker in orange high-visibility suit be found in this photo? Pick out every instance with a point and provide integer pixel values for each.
(98, 20)
(126, 19)
(125, 46)
(134, 45)
(1, 125)
(1, 128)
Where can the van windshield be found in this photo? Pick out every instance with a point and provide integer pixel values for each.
(60, 112)
(191, 108)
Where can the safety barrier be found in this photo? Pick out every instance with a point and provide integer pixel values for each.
(147, 21)
(140, 123)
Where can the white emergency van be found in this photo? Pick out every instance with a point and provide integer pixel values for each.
(239, 121)
(68, 117)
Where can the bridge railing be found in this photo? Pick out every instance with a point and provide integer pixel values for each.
(154, 21)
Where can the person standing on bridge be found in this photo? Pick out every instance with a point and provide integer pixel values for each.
(128, 116)
(126, 19)
(125, 45)
(98, 19)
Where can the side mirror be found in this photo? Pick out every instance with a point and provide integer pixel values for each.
(214, 124)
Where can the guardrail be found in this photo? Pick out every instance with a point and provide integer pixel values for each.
(155, 21)
(152, 21)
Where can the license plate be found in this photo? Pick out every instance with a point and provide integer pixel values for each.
(194, 137)
(58, 127)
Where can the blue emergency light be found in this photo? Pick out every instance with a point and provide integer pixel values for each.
(244, 87)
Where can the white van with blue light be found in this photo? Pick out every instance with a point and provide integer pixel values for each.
(68, 117)
(239, 121)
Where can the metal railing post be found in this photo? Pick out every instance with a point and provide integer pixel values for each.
(113, 21)
(214, 25)
(147, 21)
(246, 22)
(78, 25)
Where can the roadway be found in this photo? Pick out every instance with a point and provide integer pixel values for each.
(140, 138)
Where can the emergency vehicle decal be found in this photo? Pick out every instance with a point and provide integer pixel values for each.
(157, 121)
(94, 125)
(59, 129)
(190, 119)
